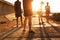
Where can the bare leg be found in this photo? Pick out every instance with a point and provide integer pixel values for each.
(25, 21)
(39, 21)
(29, 22)
(21, 22)
(30, 25)
(47, 17)
(17, 21)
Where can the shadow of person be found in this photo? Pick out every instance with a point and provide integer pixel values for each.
(21, 36)
(55, 27)
(30, 36)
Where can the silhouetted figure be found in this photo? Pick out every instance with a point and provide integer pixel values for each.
(40, 13)
(47, 8)
(18, 11)
(27, 6)
(40, 16)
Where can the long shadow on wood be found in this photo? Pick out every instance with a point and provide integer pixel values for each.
(30, 36)
(46, 33)
(41, 34)
(56, 28)
(21, 36)
(10, 33)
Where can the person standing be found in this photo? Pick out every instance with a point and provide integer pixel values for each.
(27, 6)
(40, 13)
(18, 11)
(47, 8)
(40, 16)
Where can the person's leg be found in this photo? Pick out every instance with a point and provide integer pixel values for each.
(17, 21)
(39, 20)
(25, 21)
(21, 21)
(47, 17)
(29, 22)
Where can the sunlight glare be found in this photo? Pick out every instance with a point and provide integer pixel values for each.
(36, 5)
(54, 4)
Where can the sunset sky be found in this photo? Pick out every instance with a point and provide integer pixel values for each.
(54, 4)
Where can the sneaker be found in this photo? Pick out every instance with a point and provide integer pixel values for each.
(40, 23)
(31, 31)
(24, 30)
